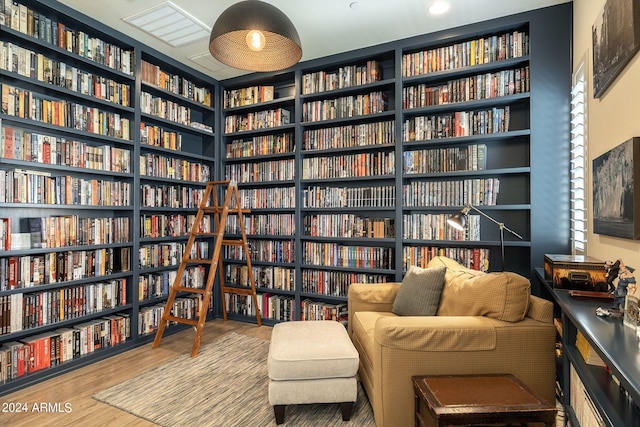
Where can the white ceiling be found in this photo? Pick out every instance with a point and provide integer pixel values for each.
(325, 26)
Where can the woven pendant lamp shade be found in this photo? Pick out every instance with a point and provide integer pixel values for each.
(229, 38)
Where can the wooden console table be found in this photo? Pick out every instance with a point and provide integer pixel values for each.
(477, 399)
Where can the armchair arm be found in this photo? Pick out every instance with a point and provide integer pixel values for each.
(371, 297)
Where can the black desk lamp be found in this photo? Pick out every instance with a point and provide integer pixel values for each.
(459, 221)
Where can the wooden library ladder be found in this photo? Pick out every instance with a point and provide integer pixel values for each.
(209, 205)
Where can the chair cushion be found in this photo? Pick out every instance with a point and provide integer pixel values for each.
(419, 293)
(503, 296)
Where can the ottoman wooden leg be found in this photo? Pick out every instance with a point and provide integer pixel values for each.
(278, 410)
(346, 407)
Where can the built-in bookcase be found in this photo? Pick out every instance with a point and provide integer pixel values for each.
(67, 173)
(258, 152)
(175, 162)
(466, 140)
(348, 164)
(106, 148)
(393, 139)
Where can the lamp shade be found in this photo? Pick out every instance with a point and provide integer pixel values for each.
(255, 36)
(458, 220)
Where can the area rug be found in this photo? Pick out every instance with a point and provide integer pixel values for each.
(225, 385)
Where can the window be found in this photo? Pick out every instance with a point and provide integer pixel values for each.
(578, 160)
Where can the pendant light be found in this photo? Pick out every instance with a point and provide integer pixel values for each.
(255, 36)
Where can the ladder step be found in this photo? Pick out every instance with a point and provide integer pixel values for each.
(233, 242)
(192, 290)
(196, 260)
(218, 209)
(239, 291)
(192, 322)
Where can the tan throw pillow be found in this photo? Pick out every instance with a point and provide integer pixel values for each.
(419, 293)
(503, 296)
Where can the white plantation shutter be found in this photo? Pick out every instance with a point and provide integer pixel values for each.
(578, 161)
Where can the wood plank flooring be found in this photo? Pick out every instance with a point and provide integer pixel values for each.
(75, 388)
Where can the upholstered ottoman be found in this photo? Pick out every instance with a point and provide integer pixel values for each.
(311, 362)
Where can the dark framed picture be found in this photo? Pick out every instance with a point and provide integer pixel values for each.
(616, 39)
(616, 188)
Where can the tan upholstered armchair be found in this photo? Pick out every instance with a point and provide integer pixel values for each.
(486, 323)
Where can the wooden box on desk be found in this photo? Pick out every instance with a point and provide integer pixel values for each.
(579, 272)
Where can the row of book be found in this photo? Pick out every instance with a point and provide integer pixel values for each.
(276, 307)
(53, 348)
(318, 310)
(451, 159)
(268, 198)
(61, 112)
(165, 109)
(31, 310)
(482, 50)
(24, 186)
(186, 307)
(347, 136)
(347, 225)
(156, 285)
(257, 120)
(335, 283)
(261, 145)
(170, 196)
(435, 227)
(481, 86)
(248, 95)
(475, 258)
(266, 277)
(27, 271)
(344, 107)
(176, 225)
(31, 64)
(349, 166)
(168, 254)
(282, 251)
(353, 197)
(48, 29)
(160, 166)
(264, 224)
(20, 144)
(458, 124)
(174, 83)
(160, 137)
(343, 77)
(476, 191)
(274, 170)
(71, 230)
(338, 255)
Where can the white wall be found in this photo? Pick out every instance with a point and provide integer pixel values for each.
(612, 119)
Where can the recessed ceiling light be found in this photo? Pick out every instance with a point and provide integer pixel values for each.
(354, 4)
(439, 7)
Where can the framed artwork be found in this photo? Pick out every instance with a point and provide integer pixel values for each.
(616, 188)
(616, 39)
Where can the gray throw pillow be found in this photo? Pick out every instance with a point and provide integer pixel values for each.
(419, 293)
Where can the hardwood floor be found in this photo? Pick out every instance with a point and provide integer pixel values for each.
(75, 388)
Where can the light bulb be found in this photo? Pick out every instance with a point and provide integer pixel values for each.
(255, 40)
